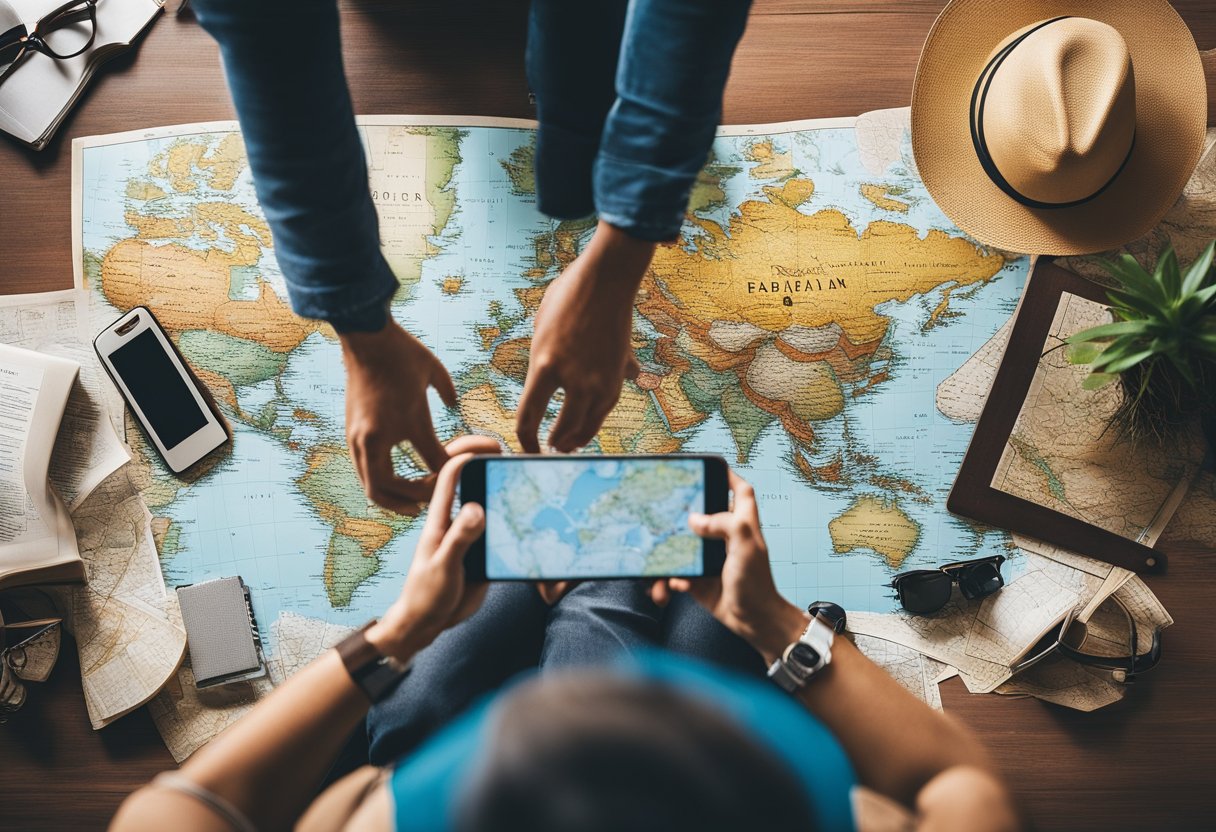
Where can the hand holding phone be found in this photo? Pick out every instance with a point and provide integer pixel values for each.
(174, 411)
(551, 518)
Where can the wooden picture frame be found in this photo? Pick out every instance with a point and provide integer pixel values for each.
(973, 495)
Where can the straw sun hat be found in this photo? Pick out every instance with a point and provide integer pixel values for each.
(1058, 127)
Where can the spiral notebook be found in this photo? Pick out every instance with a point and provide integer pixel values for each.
(221, 632)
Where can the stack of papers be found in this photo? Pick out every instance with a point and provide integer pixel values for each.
(123, 619)
(980, 640)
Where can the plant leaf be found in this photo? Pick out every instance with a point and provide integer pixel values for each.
(1083, 353)
(1205, 295)
(1126, 362)
(1107, 331)
(1116, 350)
(1095, 380)
(1140, 306)
(1135, 280)
(1167, 274)
(1183, 368)
(1198, 270)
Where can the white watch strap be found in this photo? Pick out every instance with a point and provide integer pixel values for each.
(819, 636)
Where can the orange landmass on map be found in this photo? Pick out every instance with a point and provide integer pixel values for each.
(188, 289)
(808, 286)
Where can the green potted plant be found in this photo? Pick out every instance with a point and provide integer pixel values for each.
(1161, 346)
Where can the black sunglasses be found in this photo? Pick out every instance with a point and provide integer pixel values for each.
(65, 32)
(1071, 636)
(928, 590)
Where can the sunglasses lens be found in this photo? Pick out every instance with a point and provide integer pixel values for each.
(980, 579)
(924, 592)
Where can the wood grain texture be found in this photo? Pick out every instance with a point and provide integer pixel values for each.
(1143, 763)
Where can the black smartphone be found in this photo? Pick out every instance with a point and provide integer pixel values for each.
(583, 517)
(173, 408)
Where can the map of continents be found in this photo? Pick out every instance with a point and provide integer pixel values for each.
(800, 327)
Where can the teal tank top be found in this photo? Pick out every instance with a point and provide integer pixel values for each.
(426, 785)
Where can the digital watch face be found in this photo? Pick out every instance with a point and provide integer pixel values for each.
(157, 386)
(589, 517)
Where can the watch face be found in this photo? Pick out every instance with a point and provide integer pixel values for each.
(803, 655)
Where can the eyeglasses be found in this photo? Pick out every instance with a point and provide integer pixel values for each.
(924, 591)
(64, 33)
(1073, 635)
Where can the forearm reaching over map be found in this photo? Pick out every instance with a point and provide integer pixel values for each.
(628, 96)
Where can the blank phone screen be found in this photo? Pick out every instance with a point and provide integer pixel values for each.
(158, 388)
(592, 517)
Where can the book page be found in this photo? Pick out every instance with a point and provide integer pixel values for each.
(20, 520)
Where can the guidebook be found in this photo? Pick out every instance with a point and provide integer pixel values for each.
(37, 541)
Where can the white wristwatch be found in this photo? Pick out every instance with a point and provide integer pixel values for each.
(809, 655)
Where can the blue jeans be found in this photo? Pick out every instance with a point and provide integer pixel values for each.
(516, 631)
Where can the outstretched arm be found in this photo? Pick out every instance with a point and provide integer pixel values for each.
(900, 747)
(283, 59)
(674, 58)
(268, 764)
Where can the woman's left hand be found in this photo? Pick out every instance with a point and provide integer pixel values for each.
(435, 595)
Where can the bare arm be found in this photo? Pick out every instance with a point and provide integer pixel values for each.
(900, 746)
(268, 764)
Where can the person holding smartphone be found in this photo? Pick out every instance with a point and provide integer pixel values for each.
(654, 742)
(628, 96)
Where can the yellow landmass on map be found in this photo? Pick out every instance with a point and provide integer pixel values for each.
(829, 272)
(633, 427)
(183, 161)
(142, 189)
(484, 413)
(880, 195)
(877, 524)
(452, 285)
(188, 289)
(769, 163)
(410, 173)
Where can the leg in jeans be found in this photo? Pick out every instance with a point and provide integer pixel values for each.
(689, 629)
(501, 639)
(597, 620)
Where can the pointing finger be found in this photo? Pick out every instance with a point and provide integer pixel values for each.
(428, 446)
(571, 424)
(538, 389)
(632, 367)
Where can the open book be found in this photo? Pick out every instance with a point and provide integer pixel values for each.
(37, 541)
(38, 92)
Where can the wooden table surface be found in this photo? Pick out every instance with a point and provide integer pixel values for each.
(1144, 763)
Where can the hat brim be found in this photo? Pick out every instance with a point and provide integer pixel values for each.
(1171, 121)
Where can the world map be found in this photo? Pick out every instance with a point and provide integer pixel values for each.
(592, 518)
(800, 327)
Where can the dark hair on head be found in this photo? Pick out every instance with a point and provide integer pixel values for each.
(592, 752)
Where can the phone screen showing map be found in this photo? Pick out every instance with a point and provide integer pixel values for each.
(592, 517)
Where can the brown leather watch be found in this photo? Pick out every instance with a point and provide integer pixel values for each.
(376, 674)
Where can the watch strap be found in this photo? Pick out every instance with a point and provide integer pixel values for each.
(374, 673)
(834, 613)
(790, 675)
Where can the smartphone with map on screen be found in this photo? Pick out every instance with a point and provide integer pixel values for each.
(584, 517)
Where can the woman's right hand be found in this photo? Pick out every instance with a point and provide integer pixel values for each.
(744, 597)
